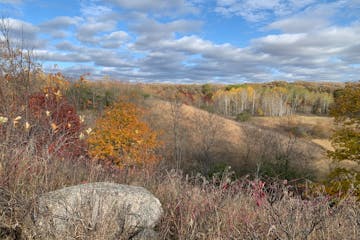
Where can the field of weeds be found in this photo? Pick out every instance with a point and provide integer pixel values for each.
(195, 207)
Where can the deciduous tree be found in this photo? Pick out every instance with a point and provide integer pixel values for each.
(346, 111)
(122, 138)
(346, 140)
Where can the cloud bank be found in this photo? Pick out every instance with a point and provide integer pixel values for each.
(165, 41)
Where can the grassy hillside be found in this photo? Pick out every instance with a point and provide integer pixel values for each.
(247, 147)
(217, 204)
(215, 140)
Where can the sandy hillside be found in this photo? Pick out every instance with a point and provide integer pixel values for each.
(234, 143)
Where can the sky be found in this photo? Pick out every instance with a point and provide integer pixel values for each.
(192, 41)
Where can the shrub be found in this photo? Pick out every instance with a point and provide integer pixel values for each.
(346, 139)
(88, 95)
(207, 108)
(321, 131)
(298, 130)
(121, 138)
(308, 130)
(243, 116)
(218, 169)
(55, 124)
(47, 123)
(280, 169)
(342, 182)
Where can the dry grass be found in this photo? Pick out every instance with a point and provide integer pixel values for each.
(27, 174)
(310, 127)
(243, 210)
(239, 144)
(194, 207)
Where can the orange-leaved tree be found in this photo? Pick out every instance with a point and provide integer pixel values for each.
(120, 137)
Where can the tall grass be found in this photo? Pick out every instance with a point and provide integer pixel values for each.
(194, 207)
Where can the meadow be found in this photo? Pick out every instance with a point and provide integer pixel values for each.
(246, 161)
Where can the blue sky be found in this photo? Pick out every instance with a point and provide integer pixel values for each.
(192, 41)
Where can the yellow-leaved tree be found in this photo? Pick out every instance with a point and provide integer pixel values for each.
(346, 140)
(120, 137)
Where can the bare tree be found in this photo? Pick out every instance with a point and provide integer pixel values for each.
(273, 153)
(176, 119)
(207, 129)
(17, 68)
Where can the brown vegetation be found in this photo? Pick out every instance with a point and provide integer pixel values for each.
(195, 207)
(42, 148)
(222, 142)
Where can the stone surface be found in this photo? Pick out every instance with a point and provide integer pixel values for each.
(96, 211)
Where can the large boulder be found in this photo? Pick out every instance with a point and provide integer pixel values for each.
(95, 211)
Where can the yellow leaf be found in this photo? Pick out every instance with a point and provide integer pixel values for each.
(54, 127)
(27, 126)
(3, 119)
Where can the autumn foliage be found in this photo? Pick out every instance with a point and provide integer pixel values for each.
(121, 138)
(346, 111)
(55, 123)
(346, 140)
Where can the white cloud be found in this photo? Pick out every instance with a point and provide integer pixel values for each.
(58, 26)
(311, 19)
(325, 42)
(21, 33)
(158, 6)
(137, 44)
(97, 20)
(115, 39)
(60, 22)
(17, 25)
(94, 11)
(305, 56)
(67, 46)
(254, 11)
(87, 32)
(74, 57)
(150, 31)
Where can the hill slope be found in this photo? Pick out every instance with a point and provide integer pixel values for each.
(208, 140)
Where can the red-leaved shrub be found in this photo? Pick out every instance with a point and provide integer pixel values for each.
(57, 125)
